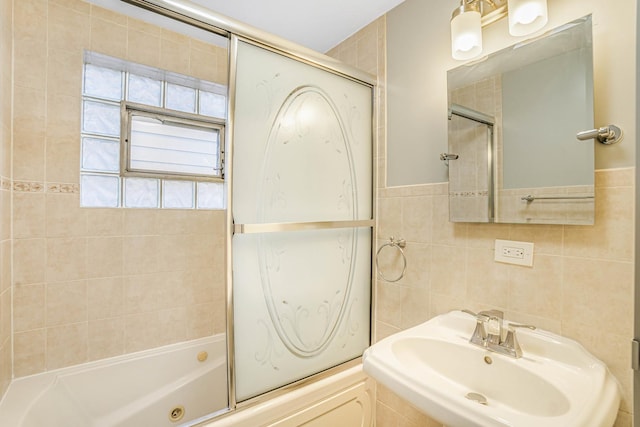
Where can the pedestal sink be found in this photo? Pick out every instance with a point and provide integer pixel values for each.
(556, 383)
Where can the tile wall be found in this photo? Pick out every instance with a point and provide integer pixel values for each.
(95, 283)
(6, 31)
(581, 284)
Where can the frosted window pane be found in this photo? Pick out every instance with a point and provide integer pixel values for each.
(99, 191)
(145, 90)
(168, 147)
(177, 194)
(212, 104)
(101, 118)
(100, 155)
(141, 193)
(102, 82)
(211, 195)
(181, 98)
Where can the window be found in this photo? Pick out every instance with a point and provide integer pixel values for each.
(150, 138)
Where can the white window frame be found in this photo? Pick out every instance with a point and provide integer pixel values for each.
(129, 109)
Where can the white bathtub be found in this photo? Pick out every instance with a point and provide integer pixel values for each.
(134, 390)
(141, 389)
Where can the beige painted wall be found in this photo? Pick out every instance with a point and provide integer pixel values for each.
(6, 31)
(95, 283)
(581, 284)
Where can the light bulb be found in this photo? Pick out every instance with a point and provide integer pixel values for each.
(526, 16)
(466, 35)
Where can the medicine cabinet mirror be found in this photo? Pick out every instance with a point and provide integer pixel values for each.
(513, 155)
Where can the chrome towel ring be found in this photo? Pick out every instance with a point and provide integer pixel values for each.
(398, 244)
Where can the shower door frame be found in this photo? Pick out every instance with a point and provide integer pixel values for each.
(199, 16)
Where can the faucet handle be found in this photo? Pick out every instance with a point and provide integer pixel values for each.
(511, 341)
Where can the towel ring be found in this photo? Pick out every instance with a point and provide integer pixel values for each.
(398, 244)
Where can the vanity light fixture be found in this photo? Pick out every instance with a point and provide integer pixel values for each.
(525, 17)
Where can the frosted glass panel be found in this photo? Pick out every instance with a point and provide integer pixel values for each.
(102, 82)
(177, 194)
(100, 155)
(172, 147)
(211, 195)
(302, 144)
(302, 153)
(101, 118)
(181, 98)
(144, 90)
(212, 104)
(99, 191)
(301, 304)
(141, 193)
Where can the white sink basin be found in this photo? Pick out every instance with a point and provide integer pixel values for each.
(555, 383)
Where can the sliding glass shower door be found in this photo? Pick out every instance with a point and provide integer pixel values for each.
(302, 210)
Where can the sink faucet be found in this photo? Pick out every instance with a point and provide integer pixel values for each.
(489, 333)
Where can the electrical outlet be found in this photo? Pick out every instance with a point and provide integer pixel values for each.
(511, 252)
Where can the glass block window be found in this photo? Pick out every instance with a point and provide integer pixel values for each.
(150, 138)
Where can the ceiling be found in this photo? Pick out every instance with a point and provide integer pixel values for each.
(316, 24)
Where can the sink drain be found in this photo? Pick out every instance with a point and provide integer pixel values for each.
(477, 397)
(176, 414)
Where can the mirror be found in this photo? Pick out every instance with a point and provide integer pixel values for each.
(513, 155)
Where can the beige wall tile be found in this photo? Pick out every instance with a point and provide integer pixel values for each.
(598, 286)
(174, 52)
(30, 67)
(143, 48)
(142, 331)
(28, 261)
(140, 294)
(141, 255)
(104, 257)
(28, 307)
(105, 338)
(105, 222)
(66, 345)
(141, 221)
(105, 298)
(66, 259)
(6, 272)
(204, 64)
(608, 238)
(417, 218)
(536, 290)
(108, 15)
(68, 29)
(76, 5)
(29, 352)
(108, 37)
(28, 215)
(64, 216)
(66, 303)
(200, 321)
(6, 324)
(64, 73)
(487, 281)
(6, 367)
(29, 134)
(448, 270)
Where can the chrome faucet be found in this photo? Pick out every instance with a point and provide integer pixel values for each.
(489, 333)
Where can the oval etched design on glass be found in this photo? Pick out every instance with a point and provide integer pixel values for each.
(307, 175)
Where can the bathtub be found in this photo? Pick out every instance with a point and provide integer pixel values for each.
(140, 389)
(145, 389)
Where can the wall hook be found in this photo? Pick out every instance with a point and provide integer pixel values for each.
(607, 135)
